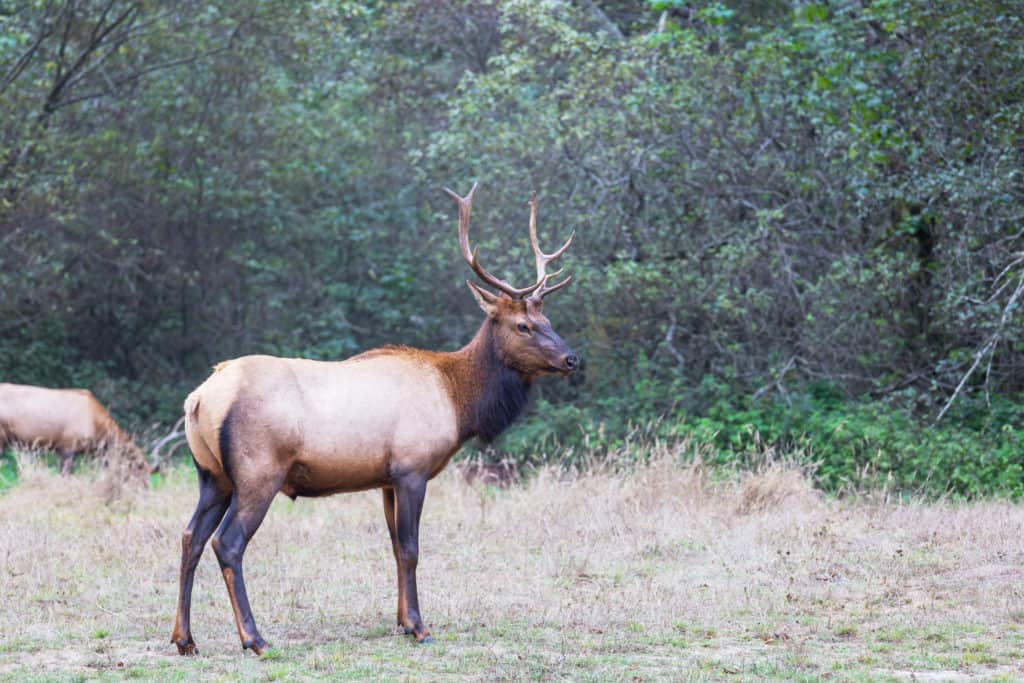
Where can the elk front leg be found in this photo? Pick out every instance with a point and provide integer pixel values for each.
(209, 511)
(243, 518)
(67, 459)
(389, 515)
(409, 493)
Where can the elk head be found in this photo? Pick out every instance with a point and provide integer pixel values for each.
(523, 337)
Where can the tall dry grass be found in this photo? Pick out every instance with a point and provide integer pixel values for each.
(606, 558)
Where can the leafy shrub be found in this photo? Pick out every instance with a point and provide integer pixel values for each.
(851, 444)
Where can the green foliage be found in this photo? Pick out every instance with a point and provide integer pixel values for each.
(766, 199)
(861, 444)
(850, 445)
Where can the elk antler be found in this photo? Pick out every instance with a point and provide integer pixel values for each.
(544, 259)
(465, 204)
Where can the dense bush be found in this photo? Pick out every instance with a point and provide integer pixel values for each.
(849, 446)
(769, 198)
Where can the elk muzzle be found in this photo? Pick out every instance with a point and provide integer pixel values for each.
(562, 359)
(559, 358)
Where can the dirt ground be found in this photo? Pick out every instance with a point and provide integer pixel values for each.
(669, 572)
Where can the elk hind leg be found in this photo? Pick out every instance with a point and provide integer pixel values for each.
(389, 515)
(243, 518)
(213, 502)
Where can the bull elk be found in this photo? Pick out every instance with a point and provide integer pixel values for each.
(66, 420)
(389, 418)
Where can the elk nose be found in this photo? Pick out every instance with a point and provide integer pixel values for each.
(571, 362)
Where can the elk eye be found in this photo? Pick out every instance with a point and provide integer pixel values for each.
(523, 327)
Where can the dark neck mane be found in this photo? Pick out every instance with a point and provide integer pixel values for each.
(488, 394)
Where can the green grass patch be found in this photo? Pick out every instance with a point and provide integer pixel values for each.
(8, 470)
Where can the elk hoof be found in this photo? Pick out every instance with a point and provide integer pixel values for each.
(257, 645)
(409, 630)
(427, 640)
(186, 646)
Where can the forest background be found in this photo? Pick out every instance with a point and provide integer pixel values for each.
(799, 224)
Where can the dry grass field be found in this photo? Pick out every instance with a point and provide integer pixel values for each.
(665, 573)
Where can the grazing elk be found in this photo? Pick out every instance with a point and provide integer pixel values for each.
(389, 418)
(66, 420)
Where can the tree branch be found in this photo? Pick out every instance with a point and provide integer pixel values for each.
(601, 19)
(669, 334)
(987, 347)
(116, 84)
(12, 74)
(97, 38)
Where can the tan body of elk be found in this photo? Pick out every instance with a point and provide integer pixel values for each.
(390, 418)
(66, 420)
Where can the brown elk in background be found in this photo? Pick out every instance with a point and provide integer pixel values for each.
(389, 418)
(66, 420)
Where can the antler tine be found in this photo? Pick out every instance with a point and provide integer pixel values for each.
(465, 204)
(543, 259)
(544, 291)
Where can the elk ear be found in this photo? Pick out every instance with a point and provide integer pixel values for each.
(488, 302)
